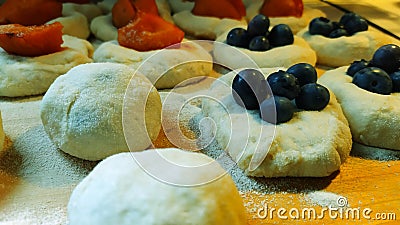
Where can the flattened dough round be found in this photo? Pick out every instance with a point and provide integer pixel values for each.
(311, 144)
(284, 56)
(76, 19)
(119, 191)
(335, 52)
(82, 111)
(374, 119)
(204, 27)
(164, 68)
(22, 76)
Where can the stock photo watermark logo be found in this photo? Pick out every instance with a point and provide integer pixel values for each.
(339, 211)
(161, 67)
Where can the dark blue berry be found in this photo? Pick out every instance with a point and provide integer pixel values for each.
(304, 72)
(373, 79)
(320, 25)
(338, 33)
(281, 35)
(347, 17)
(395, 81)
(313, 96)
(356, 24)
(238, 37)
(277, 110)
(249, 88)
(387, 58)
(258, 26)
(337, 25)
(284, 84)
(357, 66)
(259, 43)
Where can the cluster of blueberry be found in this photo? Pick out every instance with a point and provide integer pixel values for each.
(349, 24)
(381, 74)
(278, 95)
(257, 37)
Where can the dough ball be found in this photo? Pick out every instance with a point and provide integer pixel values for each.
(120, 191)
(82, 112)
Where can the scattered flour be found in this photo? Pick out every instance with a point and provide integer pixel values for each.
(326, 199)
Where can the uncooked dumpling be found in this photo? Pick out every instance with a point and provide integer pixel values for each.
(96, 110)
(157, 187)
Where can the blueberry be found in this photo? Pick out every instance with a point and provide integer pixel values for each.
(320, 25)
(347, 17)
(395, 77)
(337, 25)
(338, 33)
(396, 81)
(277, 110)
(387, 58)
(280, 35)
(238, 37)
(258, 26)
(357, 66)
(373, 79)
(355, 24)
(304, 72)
(259, 43)
(249, 88)
(284, 84)
(313, 96)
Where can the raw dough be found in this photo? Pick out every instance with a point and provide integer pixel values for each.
(22, 76)
(284, 56)
(204, 27)
(374, 119)
(295, 23)
(311, 144)
(180, 5)
(103, 28)
(82, 112)
(119, 191)
(2, 135)
(335, 52)
(164, 68)
(76, 19)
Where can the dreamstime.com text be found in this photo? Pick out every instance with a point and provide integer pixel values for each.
(341, 212)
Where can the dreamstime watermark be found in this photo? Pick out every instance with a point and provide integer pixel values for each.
(340, 211)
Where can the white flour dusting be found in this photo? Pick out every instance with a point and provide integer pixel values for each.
(326, 199)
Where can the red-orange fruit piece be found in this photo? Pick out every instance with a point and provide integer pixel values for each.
(149, 32)
(220, 9)
(281, 8)
(31, 40)
(29, 12)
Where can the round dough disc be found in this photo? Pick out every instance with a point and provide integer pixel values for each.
(23, 76)
(82, 112)
(311, 144)
(373, 118)
(119, 191)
